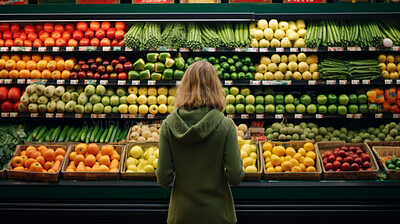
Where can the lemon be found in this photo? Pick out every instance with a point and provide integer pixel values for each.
(302, 159)
(294, 162)
(247, 148)
(296, 169)
(302, 151)
(267, 154)
(247, 161)
(250, 169)
(286, 166)
(308, 146)
(267, 160)
(148, 168)
(267, 146)
(287, 158)
(253, 148)
(278, 169)
(311, 155)
(290, 151)
(275, 160)
(253, 155)
(280, 151)
(136, 151)
(268, 165)
(270, 170)
(303, 167)
(308, 162)
(132, 168)
(243, 154)
(274, 149)
(297, 156)
(282, 159)
(311, 169)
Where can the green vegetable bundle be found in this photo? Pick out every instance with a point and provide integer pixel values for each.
(389, 31)
(10, 136)
(330, 68)
(227, 34)
(174, 35)
(151, 35)
(194, 40)
(132, 37)
(313, 34)
(209, 36)
(364, 69)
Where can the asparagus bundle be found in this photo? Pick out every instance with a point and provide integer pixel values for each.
(193, 40)
(364, 69)
(226, 33)
(151, 35)
(132, 37)
(330, 68)
(174, 35)
(209, 36)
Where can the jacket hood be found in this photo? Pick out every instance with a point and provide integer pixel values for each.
(191, 126)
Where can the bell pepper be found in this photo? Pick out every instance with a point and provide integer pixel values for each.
(179, 62)
(390, 95)
(371, 96)
(394, 108)
(133, 75)
(212, 60)
(152, 57)
(163, 56)
(169, 62)
(149, 66)
(168, 73)
(138, 65)
(159, 67)
(178, 74)
(155, 76)
(144, 74)
(373, 108)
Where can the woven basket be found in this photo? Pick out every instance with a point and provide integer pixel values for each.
(136, 175)
(383, 151)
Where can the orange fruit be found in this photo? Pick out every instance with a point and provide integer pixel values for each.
(31, 65)
(35, 74)
(60, 151)
(10, 64)
(65, 74)
(41, 160)
(59, 158)
(48, 165)
(24, 74)
(79, 158)
(15, 57)
(58, 57)
(95, 167)
(21, 65)
(46, 74)
(29, 152)
(2, 63)
(42, 65)
(90, 160)
(47, 57)
(56, 165)
(103, 168)
(4, 74)
(36, 154)
(88, 169)
(115, 155)
(72, 156)
(19, 168)
(81, 148)
(114, 164)
(5, 56)
(107, 150)
(30, 148)
(14, 74)
(56, 74)
(26, 57)
(23, 153)
(51, 65)
(114, 170)
(105, 160)
(81, 167)
(98, 156)
(69, 64)
(93, 148)
(49, 155)
(29, 162)
(42, 148)
(36, 57)
(60, 64)
(17, 161)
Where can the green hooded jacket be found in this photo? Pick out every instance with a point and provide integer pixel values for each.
(199, 153)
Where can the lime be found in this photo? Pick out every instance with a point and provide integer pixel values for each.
(391, 166)
(388, 162)
(397, 168)
(394, 160)
(398, 163)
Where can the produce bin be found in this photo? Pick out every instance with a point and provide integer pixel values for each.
(2, 174)
(255, 176)
(27, 175)
(130, 132)
(293, 175)
(93, 175)
(384, 151)
(347, 175)
(136, 175)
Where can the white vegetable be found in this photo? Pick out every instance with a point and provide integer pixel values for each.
(387, 42)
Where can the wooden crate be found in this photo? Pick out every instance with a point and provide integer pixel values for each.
(153, 1)
(2, 174)
(348, 175)
(256, 176)
(93, 175)
(26, 175)
(250, 1)
(199, 1)
(293, 175)
(383, 151)
(304, 1)
(136, 142)
(136, 175)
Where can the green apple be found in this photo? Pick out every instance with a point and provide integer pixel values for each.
(290, 108)
(74, 96)
(260, 108)
(162, 99)
(342, 110)
(133, 109)
(343, 99)
(280, 109)
(142, 99)
(259, 100)
(230, 109)
(95, 99)
(240, 108)
(289, 99)
(123, 108)
(79, 109)
(80, 89)
(230, 99)
(163, 109)
(82, 99)
(114, 100)
(88, 108)
(332, 109)
(269, 99)
(100, 90)
(90, 90)
(115, 109)
(353, 109)
(226, 91)
(305, 99)
(279, 99)
(250, 99)
(107, 109)
(110, 91)
(152, 100)
(143, 109)
(121, 91)
(239, 98)
(70, 106)
(245, 91)
(98, 108)
(322, 109)
(269, 108)
(105, 100)
(123, 100)
(322, 99)
(234, 91)
(312, 109)
(300, 109)
(250, 109)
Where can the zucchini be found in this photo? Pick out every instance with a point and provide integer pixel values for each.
(83, 134)
(109, 133)
(98, 135)
(41, 139)
(116, 137)
(103, 136)
(94, 133)
(48, 134)
(89, 134)
(36, 131)
(75, 133)
(63, 134)
(123, 134)
(78, 136)
(41, 133)
(56, 133)
(113, 134)
(69, 134)
(30, 137)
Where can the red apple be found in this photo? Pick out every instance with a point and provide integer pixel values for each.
(345, 166)
(84, 42)
(336, 164)
(85, 67)
(341, 153)
(369, 168)
(328, 166)
(359, 151)
(325, 161)
(67, 35)
(81, 62)
(61, 42)
(114, 62)
(122, 76)
(122, 59)
(338, 170)
(73, 75)
(355, 167)
(97, 75)
(105, 76)
(101, 69)
(89, 75)
(100, 33)
(348, 160)
(335, 153)
(358, 148)
(77, 35)
(352, 148)
(111, 33)
(354, 156)
(339, 159)
(365, 157)
(93, 67)
(331, 158)
(358, 160)
(60, 28)
(90, 61)
(77, 67)
(70, 27)
(106, 62)
(344, 148)
(119, 68)
(89, 34)
(113, 75)
(109, 69)
(99, 60)
(128, 66)
(366, 165)
(114, 42)
(82, 75)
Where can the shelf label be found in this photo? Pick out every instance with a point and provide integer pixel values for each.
(349, 115)
(28, 81)
(244, 116)
(184, 49)
(298, 116)
(117, 48)
(15, 49)
(263, 49)
(60, 82)
(132, 115)
(7, 81)
(259, 116)
(357, 116)
(335, 49)
(74, 82)
(151, 116)
(395, 48)
(94, 116)
(3, 114)
(210, 49)
(312, 82)
(49, 115)
(388, 82)
(151, 82)
(342, 82)
(396, 115)
(398, 81)
(331, 82)
(106, 48)
(355, 82)
(280, 49)
(34, 115)
(366, 82)
(41, 49)
(127, 49)
(305, 49)
(135, 83)
(378, 116)
(231, 116)
(103, 82)
(82, 48)
(293, 49)
(178, 83)
(255, 82)
(69, 49)
(102, 116)
(4, 49)
(278, 116)
(252, 49)
(59, 115)
(228, 82)
(13, 114)
(78, 115)
(56, 49)
(319, 116)
(124, 115)
(1, 81)
(90, 82)
(371, 48)
(353, 48)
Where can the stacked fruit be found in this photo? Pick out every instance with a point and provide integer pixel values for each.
(140, 160)
(241, 130)
(281, 159)
(392, 162)
(248, 153)
(9, 99)
(384, 100)
(230, 67)
(92, 158)
(148, 100)
(62, 35)
(283, 67)
(342, 104)
(145, 133)
(346, 158)
(39, 159)
(277, 34)
(282, 131)
(35, 67)
(390, 66)
(233, 96)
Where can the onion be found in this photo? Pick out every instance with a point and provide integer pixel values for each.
(387, 42)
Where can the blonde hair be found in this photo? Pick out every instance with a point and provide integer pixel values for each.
(200, 87)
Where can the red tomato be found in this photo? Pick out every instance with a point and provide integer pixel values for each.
(72, 43)
(120, 25)
(1, 43)
(15, 28)
(66, 35)
(4, 27)
(81, 26)
(114, 42)
(60, 28)
(39, 27)
(16, 35)
(89, 34)
(22, 36)
(32, 36)
(56, 34)
(70, 27)
(105, 25)
(84, 42)
(94, 25)
(37, 43)
(119, 34)
(111, 33)
(43, 36)
(18, 42)
(105, 42)
(29, 28)
(0, 35)
(77, 35)
(48, 27)
(9, 43)
(61, 42)
(27, 43)
(121, 43)
(49, 42)
(7, 35)
(100, 33)
(94, 42)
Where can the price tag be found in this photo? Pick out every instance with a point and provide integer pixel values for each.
(78, 115)
(151, 82)
(342, 82)
(366, 82)
(15, 49)
(128, 49)
(49, 115)
(69, 49)
(395, 48)
(298, 116)
(331, 82)
(94, 116)
(56, 49)
(184, 49)
(228, 82)
(117, 48)
(244, 116)
(312, 82)
(21, 81)
(13, 114)
(90, 82)
(263, 49)
(259, 116)
(124, 115)
(28, 49)
(41, 49)
(34, 115)
(73, 82)
(278, 116)
(60, 82)
(7, 81)
(292, 49)
(132, 115)
(357, 116)
(371, 48)
(151, 116)
(59, 115)
(4, 49)
(349, 115)
(396, 115)
(3, 114)
(135, 83)
(211, 49)
(1, 81)
(355, 82)
(178, 83)
(388, 82)
(82, 48)
(354, 49)
(106, 48)
(103, 82)
(398, 81)
(319, 116)
(378, 115)
(102, 116)
(255, 82)
(280, 49)
(231, 116)
(304, 49)
(237, 49)
(252, 49)
(29, 81)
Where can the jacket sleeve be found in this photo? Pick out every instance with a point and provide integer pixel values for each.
(232, 161)
(165, 166)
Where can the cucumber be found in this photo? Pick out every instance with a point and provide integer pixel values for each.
(48, 134)
(83, 134)
(88, 134)
(78, 136)
(103, 136)
(41, 139)
(109, 133)
(75, 133)
(56, 133)
(124, 134)
(36, 131)
(116, 137)
(98, 135)
(41, 133)
(94, 133)
(113, 134)
(30, 137)
(63, 134)
(69, 134)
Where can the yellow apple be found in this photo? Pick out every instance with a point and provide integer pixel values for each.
(152, 100)
(153, 109)
(133, 89)
(170, 108)
(123, 108)
(143, 109)
(142, 91)
(163, 90)
(161, 99)
(171, 100)
(172, 91)
(152, 91)
(142, 99)
(162, 108)
(132, 98)
(133, 109)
